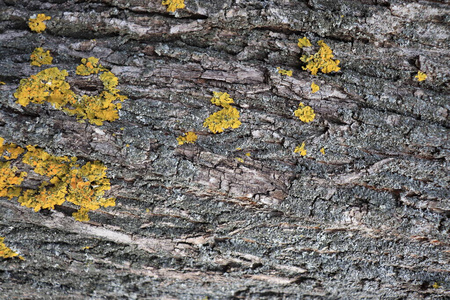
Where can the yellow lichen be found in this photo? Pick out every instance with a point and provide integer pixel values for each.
(37, 23)
(6, 252)
(322, 150)
(300, 149)
(9, 151)
(40, 57)
(65, 180)
(89, 66)
(189, 137)
(284, 72)
(228, 117)
(305, 113)
(173, 5)
(322, 60)
(247, 154)
(239, 159)
(314, 88)
(9, 181)
(50, 85)
(421, 76)
(304, 42)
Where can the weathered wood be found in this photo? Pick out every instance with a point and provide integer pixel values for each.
(367, 219)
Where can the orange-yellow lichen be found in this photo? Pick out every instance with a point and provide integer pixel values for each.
(304, 42)
(40, 57)
(228, 117)
(47, 85)
(6, 252)
(322, 150)
(300, 149)
(284, 72)
(9, 151)
(81, 185)
(314, 88)
(421, 76)
(50, 85)
(189, 137)
(66, 180)
(322, 60)
(173, 5)
(10, 181)
(37, 23)
(305, 113)
(89, 66)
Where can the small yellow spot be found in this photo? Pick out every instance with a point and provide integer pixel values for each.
(228, 117)
(314, 88)
(238, 148)
(173, 5)
(37, 24)
(40, 57)
(127, 145)
(322, 60)
(421, 76)
(122, 128)
(284, 72)
(322, 150)
(86, 248)
(342, 16)
(300, 149)
(1, 82)
(305, 113)
(113, 134)
(239, 159)
(6, 252)
(436, 285)
(304, 42)
(189, 137)
(247, 154)
(147, 210)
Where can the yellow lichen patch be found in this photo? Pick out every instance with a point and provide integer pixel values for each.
(322, 150)
(223, 119)
(305, 113)
(239, 159)
(421, 76)
(304, 42)
(40, 57)
(189, 137)
(9, 151)
(9, 180)
(48, 85)
(1, 82)
(284, 72)
(314, 88)
(6, 252)
(66, 180)
(300, 149)
(248, 154)
(322, 60)
(221, 99)
(87, 186)
(173, 5)
(37, 23)
(89, 66)
(228, 117)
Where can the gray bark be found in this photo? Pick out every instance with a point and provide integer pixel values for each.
(369, 219)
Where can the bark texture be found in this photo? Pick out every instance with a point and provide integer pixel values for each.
(367, 219)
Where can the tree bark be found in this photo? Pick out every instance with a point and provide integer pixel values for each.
(368, 219)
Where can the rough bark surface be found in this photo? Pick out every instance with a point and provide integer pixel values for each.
(367, 219)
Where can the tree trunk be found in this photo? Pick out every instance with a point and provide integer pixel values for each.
(238, 214)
